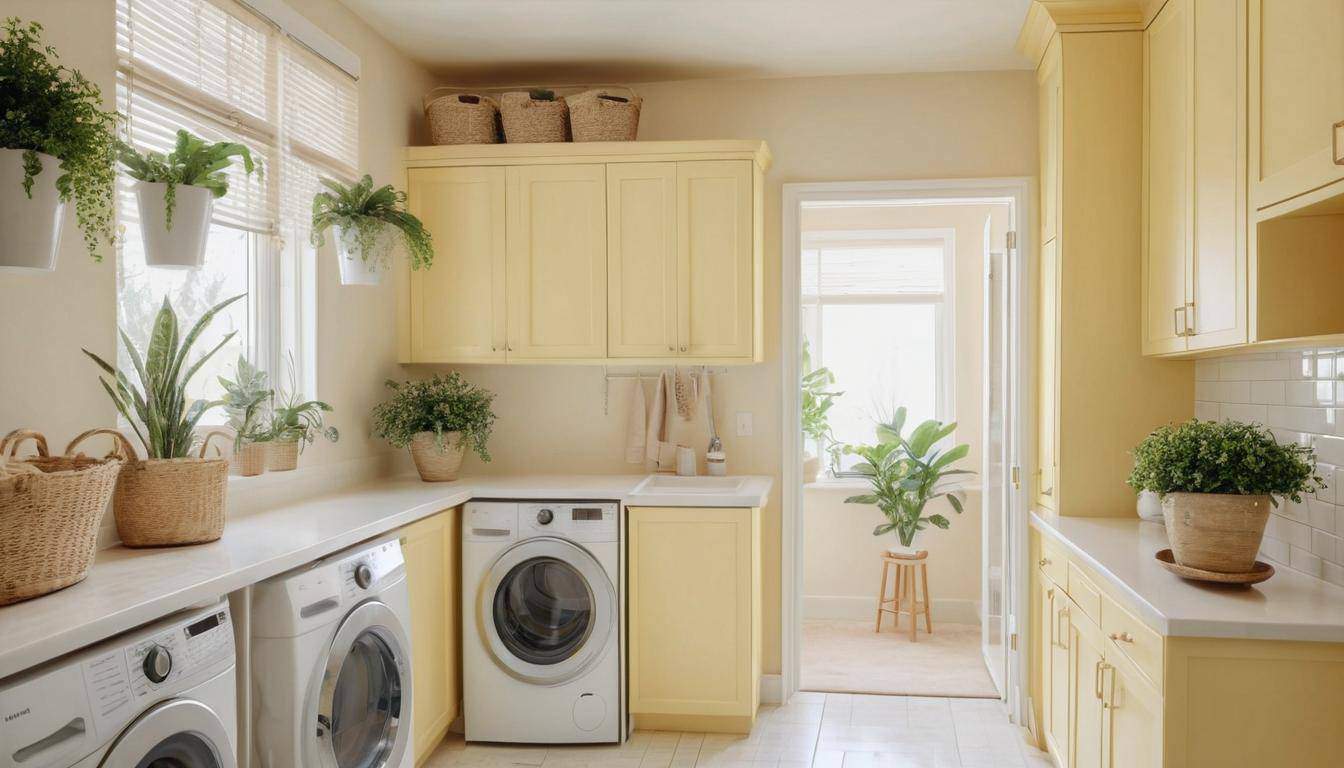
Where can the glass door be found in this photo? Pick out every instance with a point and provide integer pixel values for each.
(996, 494)
(365, 694)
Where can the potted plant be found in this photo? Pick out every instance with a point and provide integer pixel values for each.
(368, 223)
(816, 404)
(295, 423)
(56, 143)
(245, 399)
(438, 419)
(175, 194)
(1217, 480)
(170, 497)
(906, 474)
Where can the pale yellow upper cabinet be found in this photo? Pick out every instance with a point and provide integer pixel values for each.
(1047, 383)
(557, 262)
(642, 260)
(1050, 104)
(458, 307)
(1296, 97)
(715, 258)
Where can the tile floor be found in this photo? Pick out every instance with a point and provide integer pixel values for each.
(848, 656)
(822, 730)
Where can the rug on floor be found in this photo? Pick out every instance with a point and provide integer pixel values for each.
(848, 657)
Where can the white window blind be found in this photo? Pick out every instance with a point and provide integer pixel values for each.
(841, 268)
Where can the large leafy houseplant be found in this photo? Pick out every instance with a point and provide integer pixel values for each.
(817, 401)
(245, 398)
(364, 218)
(48, 109)
(908, 472)
(193, 162)
(438, 419)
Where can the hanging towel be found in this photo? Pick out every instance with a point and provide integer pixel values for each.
(636, 426)
(655, 431)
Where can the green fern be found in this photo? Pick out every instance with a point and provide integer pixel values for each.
(194, 162)
(368, 212)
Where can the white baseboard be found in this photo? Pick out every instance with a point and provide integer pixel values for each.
(772, 689)
(845, 607)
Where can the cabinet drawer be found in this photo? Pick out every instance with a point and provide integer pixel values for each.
(1133, 638)
(1085, 593)
(1053, 563)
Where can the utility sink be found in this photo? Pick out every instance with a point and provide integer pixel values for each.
(702, 491)
(679, 484)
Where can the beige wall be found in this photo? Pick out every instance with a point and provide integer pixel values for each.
(919, 126)
(47, 384)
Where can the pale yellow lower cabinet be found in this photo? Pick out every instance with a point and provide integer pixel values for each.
(1056, 660)
(694, 618)
(1132, 734)
(1086, 665)
(433, 576)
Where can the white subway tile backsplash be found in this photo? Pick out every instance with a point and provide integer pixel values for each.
(1302, 560)
(1295, 533)
(1206, 370)
(1299, 392)
(1268, 392)
(1274, 549)
(1256, 414)
(1323, 545)
(1329, 449)
(1223, 391)
(1317, 420)
(1333, 573)
(1320, 515)
(1238, 369)
(1205, 411)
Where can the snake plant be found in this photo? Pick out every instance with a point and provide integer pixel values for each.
(368, 212)
(193, 162)
(159, 411)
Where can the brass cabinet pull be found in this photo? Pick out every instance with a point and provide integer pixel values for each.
(671, 348)
(1044, 562)
(1189, 316)
(1050, 598)
(1178, 321)
(683, 347)
(1334, 143)
(1096, 678)
(1106, 699)
(1063, 616)
(1122, 637)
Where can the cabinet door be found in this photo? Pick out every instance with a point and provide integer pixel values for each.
(1085, 695)
(1047, 405)
(1133, 710)
(432, 574)
(714, 245)
(458, 305)
(1166, 242)
(1050, 102)
(693, 612)
(1055, 663)
(557, 262)
(1217, 280)
(1296, 97)
(642, 259)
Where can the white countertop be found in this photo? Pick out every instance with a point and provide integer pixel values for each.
(129, 587)
(1289, 606)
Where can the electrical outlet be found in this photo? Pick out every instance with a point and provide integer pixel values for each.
(744, 423)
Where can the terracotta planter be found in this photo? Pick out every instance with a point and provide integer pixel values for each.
(282, 455)
(1215, 531)
(437, 465)
(181, 246)
(251, 459)
(30, 227)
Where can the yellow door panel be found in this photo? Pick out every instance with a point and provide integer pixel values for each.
(715, 258)
(1085, 695)
(430, 548)
(642, 259)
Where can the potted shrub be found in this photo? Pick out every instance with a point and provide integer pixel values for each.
(816, 404)
(1217, 480)
(245, 399)
(438, 419)
(368, 224)
(170, 497)
(906, 474)
(295, 423)
(175, 194)
(56, 143)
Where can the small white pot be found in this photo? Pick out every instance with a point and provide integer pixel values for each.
(355, 268)
(30, 227)
(182, 246)
(1150, 507)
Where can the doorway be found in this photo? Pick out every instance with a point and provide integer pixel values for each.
(902, 294)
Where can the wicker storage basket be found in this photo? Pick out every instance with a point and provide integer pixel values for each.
(50, 510)
(282, 455)
(168, 502)
(462, 118)
(251, 459)
(530, 121)
(437, 465)
(600, 115)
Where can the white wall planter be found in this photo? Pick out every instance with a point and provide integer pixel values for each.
(30, 227)
(183, 246)
(355, 269)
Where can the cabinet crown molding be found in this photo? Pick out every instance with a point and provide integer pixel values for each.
(590, 152)
(1046, 17)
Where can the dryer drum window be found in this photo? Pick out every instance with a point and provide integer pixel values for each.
(366, 704)
(181, 750)
(543, 610)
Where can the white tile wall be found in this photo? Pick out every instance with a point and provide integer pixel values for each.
(1299, 394)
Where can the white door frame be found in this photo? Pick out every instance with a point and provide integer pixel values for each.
(1021, 191)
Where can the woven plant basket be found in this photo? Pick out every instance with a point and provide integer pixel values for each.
(462, 118)
(600, 115)
(437, 465)
(1215, 531)
(168, 502)
(282, 455)
(531, 121)
(50, 511)
(251, 459)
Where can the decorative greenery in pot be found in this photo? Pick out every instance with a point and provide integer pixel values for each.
(245, 399)
(816, 405)
(366, 222)
(438, 418)
(176, 193)
(907, 473)
(1217, 480)
(294, 424)
(56, 143)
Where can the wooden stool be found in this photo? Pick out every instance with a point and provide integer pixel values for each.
(905, 583)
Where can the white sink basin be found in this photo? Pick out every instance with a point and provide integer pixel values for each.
(679, 484)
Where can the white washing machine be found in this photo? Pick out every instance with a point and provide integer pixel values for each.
(331, 663)
(541, 617)
(162, 695)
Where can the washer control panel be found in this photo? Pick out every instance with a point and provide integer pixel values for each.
(581, 521)
(363, 571)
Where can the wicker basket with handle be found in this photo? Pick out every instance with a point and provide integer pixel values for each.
(50, 511)
(168, 502)
(462, 118)
(530, 121)
(601, 115)
(282, 455)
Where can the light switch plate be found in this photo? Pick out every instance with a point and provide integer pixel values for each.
(744, 423)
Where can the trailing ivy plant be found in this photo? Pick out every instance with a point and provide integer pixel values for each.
(440, 405)
(368, 212)
(50, 108)
(1223, 457)
(193, 162)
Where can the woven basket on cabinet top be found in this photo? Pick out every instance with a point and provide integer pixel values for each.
(462, 118)
(600, 115)
(168, 502)
(531, 121)
(50, 511)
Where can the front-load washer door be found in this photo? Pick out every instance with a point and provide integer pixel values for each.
(179, 733)
(362, 712)
(547, 610)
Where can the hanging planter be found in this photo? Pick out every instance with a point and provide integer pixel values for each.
(369, 223)
(175, 194)
(30, 221)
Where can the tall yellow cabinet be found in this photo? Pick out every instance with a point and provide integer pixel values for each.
(433, 577)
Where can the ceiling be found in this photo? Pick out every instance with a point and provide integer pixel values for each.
(507, 42)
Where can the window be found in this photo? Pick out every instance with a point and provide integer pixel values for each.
(876, 312)
(220, 71)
